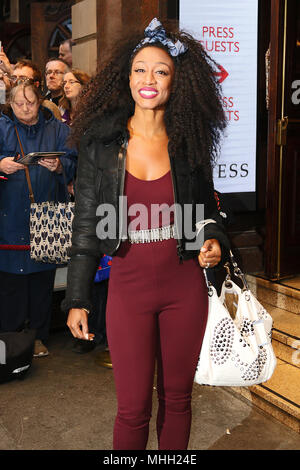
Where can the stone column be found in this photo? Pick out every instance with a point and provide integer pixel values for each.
(14, 11)
(117, 17)
(84, 33)
(97, 24)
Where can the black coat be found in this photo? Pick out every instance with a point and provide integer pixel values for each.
(100, 180)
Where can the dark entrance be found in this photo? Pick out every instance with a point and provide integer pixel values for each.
(283, 167)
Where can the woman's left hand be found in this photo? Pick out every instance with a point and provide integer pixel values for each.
(52, 164)
(210, 253)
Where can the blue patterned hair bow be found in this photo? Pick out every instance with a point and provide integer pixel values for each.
(156, 33)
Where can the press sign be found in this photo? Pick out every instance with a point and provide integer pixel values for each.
(228, 32)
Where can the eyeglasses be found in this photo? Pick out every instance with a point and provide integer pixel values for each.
(71, 82)
(54, 72)
(22, 79)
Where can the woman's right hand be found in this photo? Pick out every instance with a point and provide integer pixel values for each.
(9, 166)
(78, 323)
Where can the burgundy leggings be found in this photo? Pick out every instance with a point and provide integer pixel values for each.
(156, 311)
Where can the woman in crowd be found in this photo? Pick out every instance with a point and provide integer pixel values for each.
(149, 128)
(26, 286)
(73, 83)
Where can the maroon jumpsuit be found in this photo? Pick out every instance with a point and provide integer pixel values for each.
(156, 310)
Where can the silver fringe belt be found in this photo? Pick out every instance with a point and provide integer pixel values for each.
(152, 235)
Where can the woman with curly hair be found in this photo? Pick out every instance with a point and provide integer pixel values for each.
(149, 129)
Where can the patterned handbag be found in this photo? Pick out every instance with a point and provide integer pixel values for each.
(50, 224)
(237, 348)
(51, 231)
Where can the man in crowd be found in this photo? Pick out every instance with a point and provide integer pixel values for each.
(65, 51)
(26, 69)
(54, 72)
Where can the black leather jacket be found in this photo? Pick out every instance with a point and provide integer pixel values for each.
(100, 180)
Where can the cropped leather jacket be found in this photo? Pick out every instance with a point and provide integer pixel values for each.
(100, 180)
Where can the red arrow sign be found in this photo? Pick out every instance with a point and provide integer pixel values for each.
(222, 74)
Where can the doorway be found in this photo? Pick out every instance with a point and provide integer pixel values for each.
(283, 163)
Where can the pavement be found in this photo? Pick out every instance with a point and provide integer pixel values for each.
(67, 402)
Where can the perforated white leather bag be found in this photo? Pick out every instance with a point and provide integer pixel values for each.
(236, 351)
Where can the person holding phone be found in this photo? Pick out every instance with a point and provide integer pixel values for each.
(5, 64)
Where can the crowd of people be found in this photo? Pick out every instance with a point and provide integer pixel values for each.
(37, 114)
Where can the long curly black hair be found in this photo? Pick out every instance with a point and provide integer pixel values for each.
(194, 115)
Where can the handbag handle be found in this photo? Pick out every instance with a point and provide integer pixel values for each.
(31, 196)
(209, 285)
(236, 271)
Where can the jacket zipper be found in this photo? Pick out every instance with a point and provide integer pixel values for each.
(121, 168)
(179, 241)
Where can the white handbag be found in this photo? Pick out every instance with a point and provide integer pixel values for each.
(236, 351)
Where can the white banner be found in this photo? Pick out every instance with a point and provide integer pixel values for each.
(227, 30)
